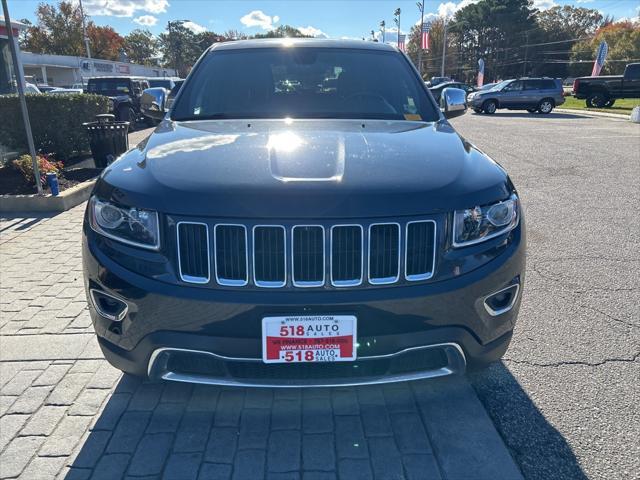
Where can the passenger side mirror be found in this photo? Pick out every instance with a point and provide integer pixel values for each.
(153, 103)
(453, 102)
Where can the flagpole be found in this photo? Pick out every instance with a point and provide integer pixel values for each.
(421, 8)
(397, 21)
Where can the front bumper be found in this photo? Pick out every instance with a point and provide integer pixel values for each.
(446, 322)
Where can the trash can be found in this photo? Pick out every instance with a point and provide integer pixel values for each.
(107, 139)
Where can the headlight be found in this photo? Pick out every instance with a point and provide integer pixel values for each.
(133, 226)
(478, 224)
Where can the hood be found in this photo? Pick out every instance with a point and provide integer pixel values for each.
(304, 169)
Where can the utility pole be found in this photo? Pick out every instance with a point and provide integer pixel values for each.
(397, 22)
(526, 50)
(444, 46)
(382, 25)
(86, 39)
(420, 6)
(23, 102)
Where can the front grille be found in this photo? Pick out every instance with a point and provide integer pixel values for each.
(274, 256)
(193, 252)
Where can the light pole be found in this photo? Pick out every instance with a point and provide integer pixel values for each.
(86, 39)
(396, 19)
(420, 6)
(23, 102)
(382, 25)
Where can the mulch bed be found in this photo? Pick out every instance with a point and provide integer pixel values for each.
(12, 182)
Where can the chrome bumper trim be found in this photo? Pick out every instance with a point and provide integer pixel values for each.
(456, 364)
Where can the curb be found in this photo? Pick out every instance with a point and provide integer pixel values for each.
(588, 113)
(47, 203)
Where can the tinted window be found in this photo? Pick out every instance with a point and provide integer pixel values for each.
(632, 72)
(304, 82)
(164, 83)
(109, 86)
(533, 85)
(549, 85)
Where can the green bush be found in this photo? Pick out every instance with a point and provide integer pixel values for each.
(56, 122)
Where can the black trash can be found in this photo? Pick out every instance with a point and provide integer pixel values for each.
(108, 139)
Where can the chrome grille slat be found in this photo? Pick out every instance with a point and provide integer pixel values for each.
(307, 253)
(232, 259)
(265, 259)
(193, 252)
(420, 250)
(269, 257)
(384, 253)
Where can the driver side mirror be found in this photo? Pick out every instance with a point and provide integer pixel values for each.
(153, 103)
(453, 102)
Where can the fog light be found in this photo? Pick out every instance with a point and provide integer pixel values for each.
(108, 306)
(501, 301)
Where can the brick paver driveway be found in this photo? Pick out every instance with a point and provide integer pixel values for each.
(66, 413)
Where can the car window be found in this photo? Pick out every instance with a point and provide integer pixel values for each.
(549, 85)
(513, 87)
(533, 85)
(304, 82)
(109, 86)
(632, 72)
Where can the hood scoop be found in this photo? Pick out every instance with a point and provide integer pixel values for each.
(306, 158)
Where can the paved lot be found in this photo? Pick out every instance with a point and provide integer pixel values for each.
(566, 397)
(65, 413)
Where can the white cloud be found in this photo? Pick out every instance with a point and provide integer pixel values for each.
(584, 1)
(390, 35)
(544, 4)
(194, 27)
(124, 8)
(449, 9)
(146, 20)
(313, 32)
(257, 18)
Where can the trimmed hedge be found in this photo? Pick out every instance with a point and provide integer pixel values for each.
(56, 122)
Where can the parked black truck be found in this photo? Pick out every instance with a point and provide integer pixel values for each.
(124, 92)
(603, 91)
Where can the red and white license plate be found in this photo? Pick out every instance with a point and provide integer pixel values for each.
(309, 338)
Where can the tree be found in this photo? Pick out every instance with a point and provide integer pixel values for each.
(623, 39)
(179, 47)
(432, 58)
(281, 32)
(559, 29)
(105, 42)
(495, 30)
(58, 31)
(141, 47)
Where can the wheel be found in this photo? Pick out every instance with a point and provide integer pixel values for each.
(489, 107)
(532, 110)
(610, 103)
(546, 105)
(597, 100)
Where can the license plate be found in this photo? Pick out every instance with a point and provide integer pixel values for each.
(309, 338)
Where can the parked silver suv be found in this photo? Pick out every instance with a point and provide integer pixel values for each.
(531, 94)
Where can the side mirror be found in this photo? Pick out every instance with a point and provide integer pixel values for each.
(153, 103)
(453, 102)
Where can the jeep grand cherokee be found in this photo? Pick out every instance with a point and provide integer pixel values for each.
(304, 215)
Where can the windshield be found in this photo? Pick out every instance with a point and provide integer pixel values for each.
(161, 83)
(109, 87)
(304, 82)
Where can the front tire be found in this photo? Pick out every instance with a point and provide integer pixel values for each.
(546, 106)
(610, 103)
(477, 110)
(597, 100)
(127, 114)
(490, 107)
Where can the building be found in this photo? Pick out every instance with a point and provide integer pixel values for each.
(7, 75)
(65, 70)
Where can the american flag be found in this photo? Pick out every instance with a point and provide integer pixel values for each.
(603, 49)
(425, 35)
(401, 39)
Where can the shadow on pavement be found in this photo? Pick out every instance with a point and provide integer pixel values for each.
(539, 449)
(19, 221)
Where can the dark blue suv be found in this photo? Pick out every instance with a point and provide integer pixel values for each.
(531, 94)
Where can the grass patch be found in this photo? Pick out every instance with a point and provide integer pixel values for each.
(623, 105)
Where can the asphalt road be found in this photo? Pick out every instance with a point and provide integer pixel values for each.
(566, 398)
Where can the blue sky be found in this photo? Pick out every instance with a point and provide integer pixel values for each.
(331, 18)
